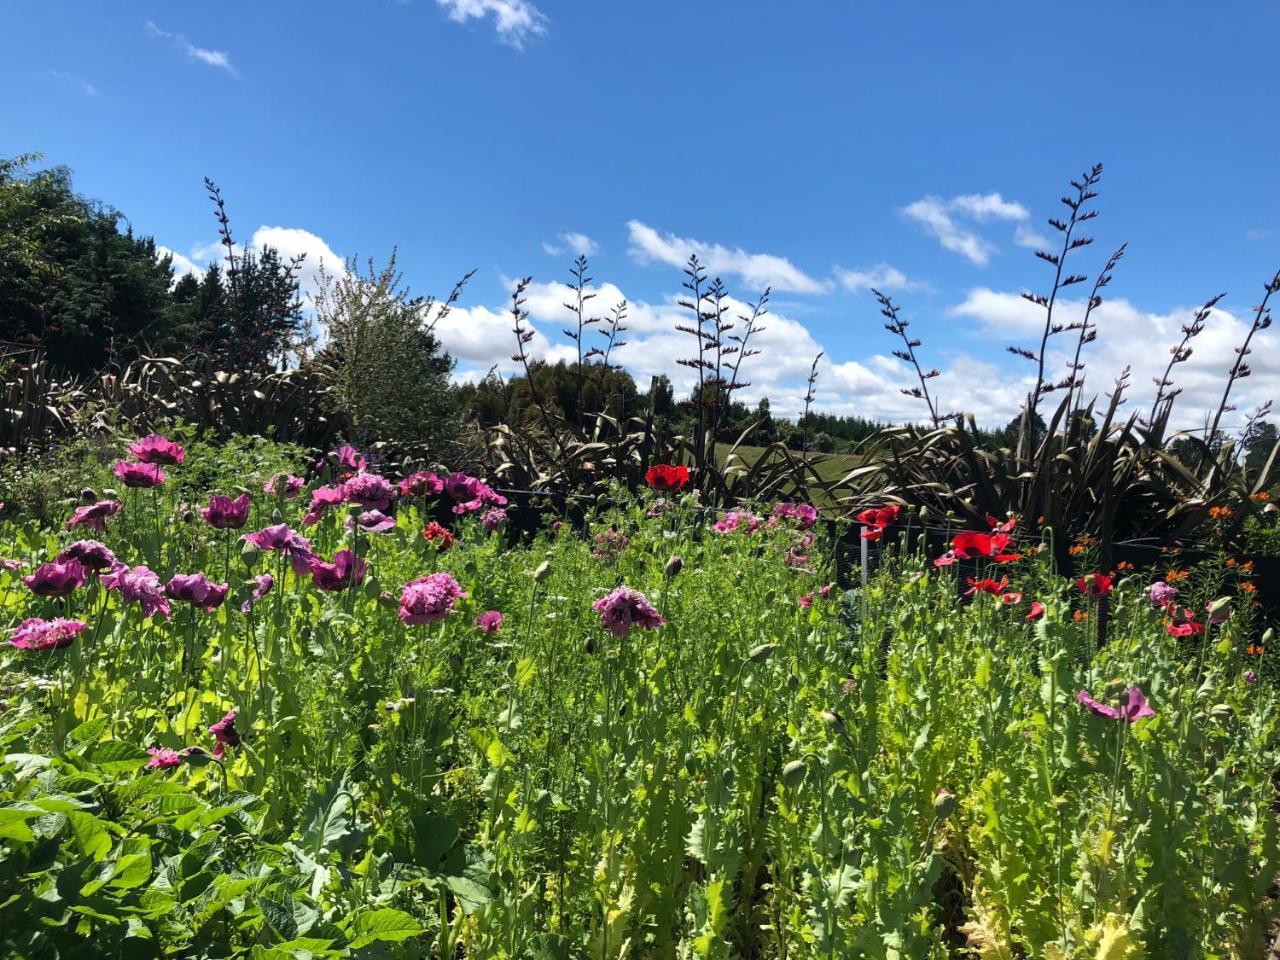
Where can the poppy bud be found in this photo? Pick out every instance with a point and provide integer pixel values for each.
(728, 777)
(590, 645)
(541, 799)
(674, 566)
(250, 553)
(455, 662)
(1268, 634)
(387, 599)
(543, 571)
(793, 773)
(762, 653)
(943, 803)
(277, 516)
(187, 516)
(793, 682)
(511, 670)
(87, 495)
(832, 719)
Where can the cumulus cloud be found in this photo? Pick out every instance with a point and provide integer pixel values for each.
(882, 277)
(289, 241)
(945, 221)
(214, 58)
(756, 270)
(516, 21)
(1141, 340)
(577, 243)
(182, 265)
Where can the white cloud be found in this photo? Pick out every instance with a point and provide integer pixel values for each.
(938, 217)
(1025, 236)
(214, 58)
(1129, 336)
(181, 265)
(289, 241)
(882, 276)
(515, 20)
(756, 270)
(578, 243)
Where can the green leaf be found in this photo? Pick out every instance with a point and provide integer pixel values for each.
(386, 925)
(117, 756)
(91, 834)
(88, 732)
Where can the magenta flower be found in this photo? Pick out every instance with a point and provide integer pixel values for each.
(284, 540)
(56, 579)
(322, 498)
(1162, 594)
(946, 560)
(489, 622)
(737, 520)
(285, 485)
(37, 634)
(421, 484)
(802, 515)
(223, 513)
(1133, 707)
(493, 520)
(347, 570)
(371, 491)
(139, 474)
(262, 586)
(95, 515)
(162, 758)
(429, 599)
(349, 458)
(225, 733)
(154, 448)
(138, 585)
(626, 608)
(372, 521)
(10, 565)
(461, 487)
(93, 555)
(610, 544)
(1250, 677)
(197, 590)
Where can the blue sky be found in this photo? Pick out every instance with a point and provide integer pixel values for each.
(814, 146)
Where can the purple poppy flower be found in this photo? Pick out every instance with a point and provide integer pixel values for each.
(262, 586)
(347, 570)
(284, 540)
(225, 733)
(372, 521)
(626, 608)
(223, 513)
(162, 758)
(138, 585)
(93, 555)
(1133, 707)
(9, 565)
(322, 498)
(94, 516)
(154, 448)
(429, 599)
(421, 484)
(737, 520)
(461, 487)
(802, 515)
(37, 634)
(494, 519)
(139, 474)
(57, 579)
(371, 491)
(197, 590)
(285, 485)
(490, 621)
(349, 458)
(610, 544)
(1250, 677)
(1161, 593)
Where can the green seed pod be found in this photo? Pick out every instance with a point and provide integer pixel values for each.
(793, 682)
(250, 553)
(944, 803)
(455, 662)
(1267, 635)
(762, 653)
(511, 670)
(673, 567)
(832, 720)
(543, 571)
(793, 773)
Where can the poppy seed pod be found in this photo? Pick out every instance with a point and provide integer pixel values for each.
(674, 566)
(543, 571)
(87, 495)
(250, 553)
(793, 773)
(943, 803)
(762, 653)
(832, 719)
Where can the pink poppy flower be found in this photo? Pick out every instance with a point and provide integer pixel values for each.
(372, 521)
(285, 485)
(156, 449)
(625, 608)
(197, 590)
(946, 560)
(284, 540)
(429, 599)
(223, 513)
(37, 634)
(1037, 610)
(141, 475)
(322, 498)
(1133, 707)
(262, 586)
(493, 520)
(225, 733)
(802, 515)
(1162, 594)
(421, 484)
(346, 570)
(737, 521)
(369, 490)
(57, 579)
(138, 585)
(94, 555)
(94, 516)
(489, 622)
(349, 458)
(162, 758)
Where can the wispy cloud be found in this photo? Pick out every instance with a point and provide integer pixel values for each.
(515, 20)
(578, 243)
(72, 82)
(214, 58)
(882, 276)
(942, 219)
(756, 270)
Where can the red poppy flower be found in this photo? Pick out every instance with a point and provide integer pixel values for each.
(665, 478)
(1005, 527)
(438, 535)
(1011, 599)
(1094, 585)
(876, 519)
(993, 587)
(972, 544)
(1037, 610)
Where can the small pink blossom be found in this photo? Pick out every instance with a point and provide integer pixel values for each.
(429, 599)
(625, 608)
(141, 475)
(156, 449)
(490, 621)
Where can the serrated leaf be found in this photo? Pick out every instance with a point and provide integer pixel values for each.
(386, 925)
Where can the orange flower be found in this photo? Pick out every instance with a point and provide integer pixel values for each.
(1124, 565)
(1231, 561)
(1079, 616)
(1219, 513)
(1248, 587)
(1174, 576)
(1261, 496)
(1247, 566)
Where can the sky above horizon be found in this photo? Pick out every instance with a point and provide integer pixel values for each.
(817, 148)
